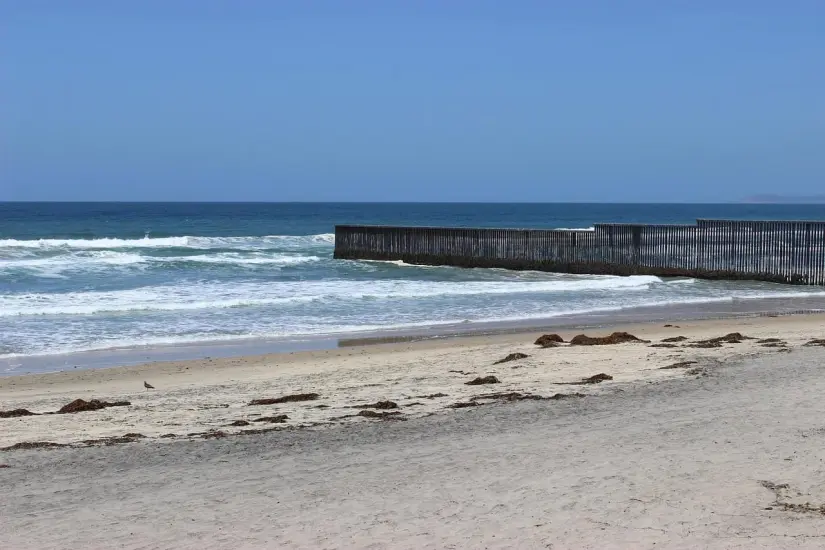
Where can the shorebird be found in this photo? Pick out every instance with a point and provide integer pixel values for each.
(147, 385)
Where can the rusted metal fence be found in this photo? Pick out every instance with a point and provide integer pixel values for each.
(777, 251)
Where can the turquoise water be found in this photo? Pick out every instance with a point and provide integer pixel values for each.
(76, 277)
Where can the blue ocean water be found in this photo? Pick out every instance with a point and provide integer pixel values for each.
(93, 276)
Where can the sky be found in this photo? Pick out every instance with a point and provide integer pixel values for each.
(391, 100)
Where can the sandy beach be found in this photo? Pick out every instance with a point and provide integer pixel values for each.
(206, 397)
(723, 450)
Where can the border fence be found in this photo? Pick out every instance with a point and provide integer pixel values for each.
(777, 251)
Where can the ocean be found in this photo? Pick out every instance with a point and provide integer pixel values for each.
(81, 277)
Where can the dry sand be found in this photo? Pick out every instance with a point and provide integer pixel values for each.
(666, 458)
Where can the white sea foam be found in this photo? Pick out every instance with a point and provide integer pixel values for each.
(217, 296)
(243, 243)
(78, 261)
(195, 296)
(235, 259)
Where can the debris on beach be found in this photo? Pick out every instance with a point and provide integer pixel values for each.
(382, 415)
(33, 445)
(15, 413)
(557, 396)
(258, 431)
(4, 466)
(482, 380)
(507, 396)
(81, 405)
(518, 396)
(463, 405)
(168, 436)
(286, 399)
(216, 434)
(595, 379)
(113, 440)
(732, 338)
(615, 338)
(679, 365)
(701, 371)
(672, 326)
(705, 345)
(780, 344)
(662, 345)
(277, 419)
(512, 357)
(431, 396)
(379, 405)
(239, 423)
(463, 373)
(675, 339)
(549, 340)
(782, 492)
(817, 342)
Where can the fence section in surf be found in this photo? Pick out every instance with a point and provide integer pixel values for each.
(777, 251)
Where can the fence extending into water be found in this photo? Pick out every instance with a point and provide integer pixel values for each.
(776, 251)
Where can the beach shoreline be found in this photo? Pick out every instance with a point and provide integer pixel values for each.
(196, 398)
(597, 320)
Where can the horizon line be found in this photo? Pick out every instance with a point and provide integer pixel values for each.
(743, 202)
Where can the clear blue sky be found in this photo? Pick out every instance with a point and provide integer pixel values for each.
(703, 100)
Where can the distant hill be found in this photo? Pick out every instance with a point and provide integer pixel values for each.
(785, 199)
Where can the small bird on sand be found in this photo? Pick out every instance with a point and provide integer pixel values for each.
(147, 385)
